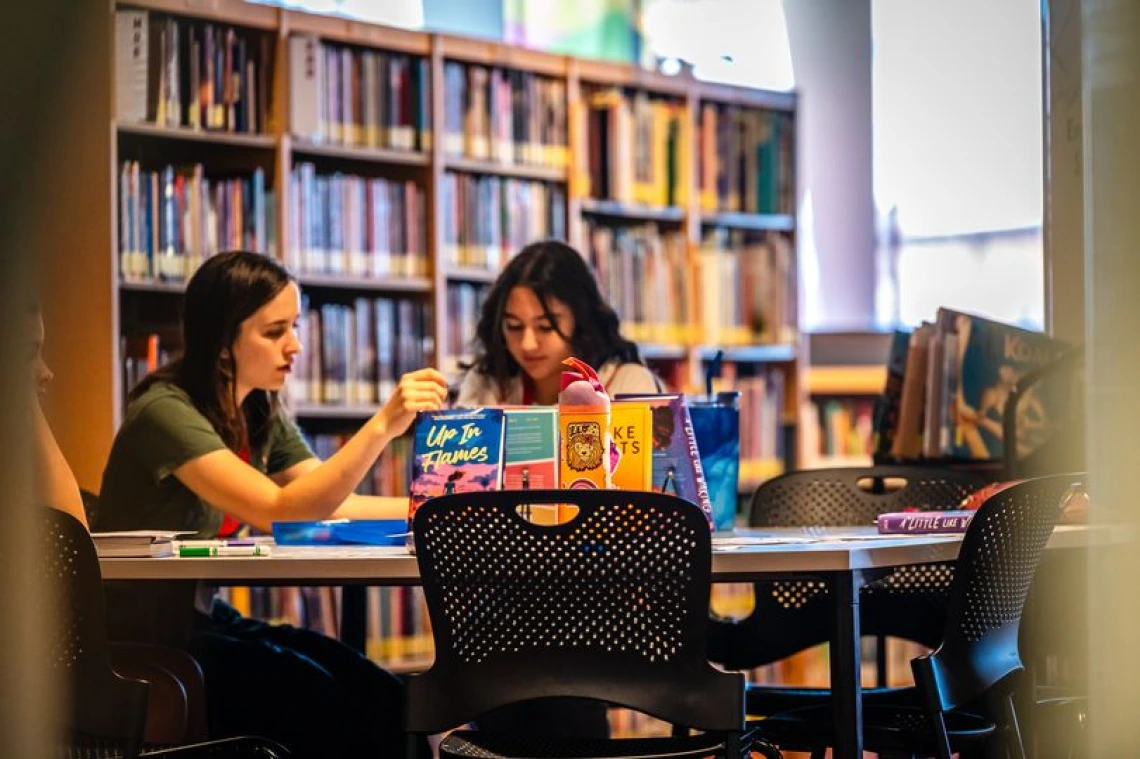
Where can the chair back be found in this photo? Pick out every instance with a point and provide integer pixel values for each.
(995, 568)
(838, 498)
(611, 605)
(104, 709)
(793, 615)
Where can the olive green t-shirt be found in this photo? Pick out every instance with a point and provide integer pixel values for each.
(162, 431)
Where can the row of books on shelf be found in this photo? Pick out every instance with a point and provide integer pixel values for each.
(486, 219)
(745, 160)
(504, 115)
(173, 218)
(840, 427)
(745, 286)
(356, 226)
(389, 475)
(464, 304)
(634, 148)
(355, 353)
(643, 272)
(177, 72)
(742, 284)
(948, 383)
(343, 95)
(141, 355)
(761, 423)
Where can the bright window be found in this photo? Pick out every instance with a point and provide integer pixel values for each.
(958, 158)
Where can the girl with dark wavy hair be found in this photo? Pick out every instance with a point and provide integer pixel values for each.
(204, 446)
(546, 306)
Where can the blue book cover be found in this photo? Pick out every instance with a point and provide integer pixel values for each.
(991, 358)
(455, 451)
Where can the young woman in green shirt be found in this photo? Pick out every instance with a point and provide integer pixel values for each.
(204, 442)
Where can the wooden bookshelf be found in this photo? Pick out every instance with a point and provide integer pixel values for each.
(846, 380)
(204, 136)
(333, 411)
(365, 284)
(381, 156)
(117, 306)
(632, 211)
(514, 170)
(760, 222)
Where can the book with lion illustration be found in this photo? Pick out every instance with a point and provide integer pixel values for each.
(455, 451)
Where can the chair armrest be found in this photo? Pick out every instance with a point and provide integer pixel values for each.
(177, 709)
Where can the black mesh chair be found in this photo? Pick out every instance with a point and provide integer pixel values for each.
(611, 606)
(974, 669)
(105, 712)
(792, 616)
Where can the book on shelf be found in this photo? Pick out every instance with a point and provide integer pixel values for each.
(635, 147)
(924, 522)
(342, 95)
(388, 476)
(171, 219)
(464, 305)
(356, 226)
(136, 543)
(745, 159)
(186, 73)
(357, 352)
(745, 286)
(641, 271)
(487, 219)
(762, 441)
(844, 427)
(502, 115)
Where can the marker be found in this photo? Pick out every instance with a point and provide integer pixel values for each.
(194, 552)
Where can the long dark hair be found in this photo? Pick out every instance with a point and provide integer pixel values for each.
(551, 269)
(225, 291)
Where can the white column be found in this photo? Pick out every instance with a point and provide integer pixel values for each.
(831, 58)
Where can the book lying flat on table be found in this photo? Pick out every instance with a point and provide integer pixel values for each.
(924, 522)
(135, 543)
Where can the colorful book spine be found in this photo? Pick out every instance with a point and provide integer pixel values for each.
(924, 522)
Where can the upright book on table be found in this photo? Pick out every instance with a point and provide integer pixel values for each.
(989, 359)
(455, 451)
(676, 459)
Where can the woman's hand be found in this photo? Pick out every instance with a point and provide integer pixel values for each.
(421, 390)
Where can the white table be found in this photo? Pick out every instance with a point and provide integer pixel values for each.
(839, 556)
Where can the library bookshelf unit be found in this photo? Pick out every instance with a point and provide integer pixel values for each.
(394, 172)
(846, 378)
